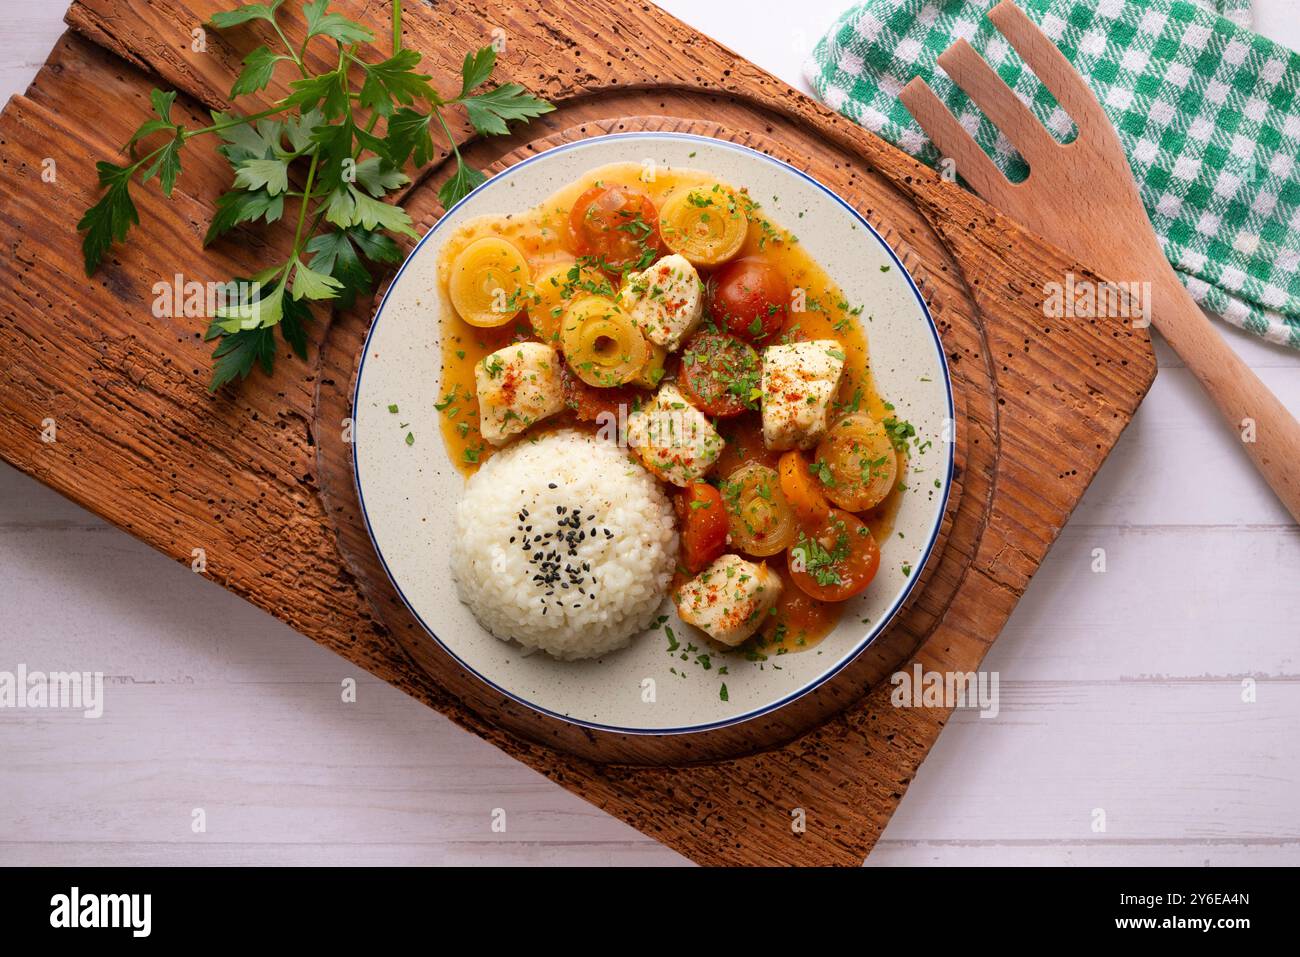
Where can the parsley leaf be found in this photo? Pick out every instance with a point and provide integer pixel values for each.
(341, 210)
(236, 353)
(336, 253)
(242, 206)
(333, 254)
(108, 220)
(376, 247)
(243, 314)
(247, 140)
(259, 67)
(329, 91)
(476, 69)
(371, 213)
(245, 14)
(459, 185)
(333, 25)
(378, 176)
(273, 174)
(395, 81)
(408, 132)
(489, 112)
(293, 325)
(168, 164)
(162, 105)
(310, 284)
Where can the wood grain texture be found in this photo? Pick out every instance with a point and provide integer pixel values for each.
(140, 443)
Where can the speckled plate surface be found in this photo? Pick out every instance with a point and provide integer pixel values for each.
(408, 492)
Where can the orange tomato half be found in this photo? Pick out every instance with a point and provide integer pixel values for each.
(836, 560)
(617, 226)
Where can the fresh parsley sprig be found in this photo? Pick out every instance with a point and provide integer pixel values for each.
(346, 165)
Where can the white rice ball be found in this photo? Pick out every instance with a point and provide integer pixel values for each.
(565, 544)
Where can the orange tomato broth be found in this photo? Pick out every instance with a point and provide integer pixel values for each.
(542, 235)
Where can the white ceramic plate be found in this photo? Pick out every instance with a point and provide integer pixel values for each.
(407, 492)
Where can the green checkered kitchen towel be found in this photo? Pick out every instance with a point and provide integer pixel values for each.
(1208, 112)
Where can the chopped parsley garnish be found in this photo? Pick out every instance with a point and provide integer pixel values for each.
(820, 563)
(823, 473)
(899, 431)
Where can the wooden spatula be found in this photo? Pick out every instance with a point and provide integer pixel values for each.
(1082, 197)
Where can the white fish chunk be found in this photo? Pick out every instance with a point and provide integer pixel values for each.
(517, 387)
(674, 439)
(799, 381)
(730, 599)
(665, 301)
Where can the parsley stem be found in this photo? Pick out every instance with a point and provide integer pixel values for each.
(397, 26)
(237, 121)
(148, 156)
(455, 150)
(450, 139)
(311, 230)
(292, 55)
(302, 210)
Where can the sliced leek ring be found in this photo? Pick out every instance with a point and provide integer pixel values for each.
(554, 289)
(862, 462)
(706, 224)
(759, 519)
(489, 280)
(652, 372)
(601, 343)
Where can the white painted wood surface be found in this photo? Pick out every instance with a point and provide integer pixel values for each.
(1120, 691)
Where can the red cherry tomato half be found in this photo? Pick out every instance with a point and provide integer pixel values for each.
(720, 374)
(616, 225)
(704, 525)
(751, 298)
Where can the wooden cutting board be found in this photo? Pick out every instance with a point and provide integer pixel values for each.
(257, 478)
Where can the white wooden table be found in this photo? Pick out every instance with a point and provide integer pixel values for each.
(1120, 691)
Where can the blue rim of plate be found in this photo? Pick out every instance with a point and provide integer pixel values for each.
(899, 600)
